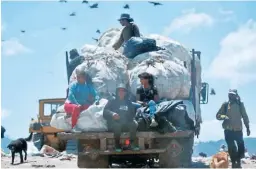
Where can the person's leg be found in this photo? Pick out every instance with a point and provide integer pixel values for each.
(152, 111)
(240, 145)
(74, 110)
(116, 128)
(133, 126)
(232, 149)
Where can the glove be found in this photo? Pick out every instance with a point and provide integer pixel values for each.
(224, 117)
(248, 131)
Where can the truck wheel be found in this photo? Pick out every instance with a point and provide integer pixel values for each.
(85, 161)
(179, 156)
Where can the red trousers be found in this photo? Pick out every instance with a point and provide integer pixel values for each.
(75, 111)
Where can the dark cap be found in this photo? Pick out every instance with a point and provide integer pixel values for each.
(144, 75)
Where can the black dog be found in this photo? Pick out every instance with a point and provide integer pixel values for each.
(19, 145)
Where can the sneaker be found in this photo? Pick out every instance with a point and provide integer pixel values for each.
(153, 123)
(134, 147)
(76, 130)
(118, 148)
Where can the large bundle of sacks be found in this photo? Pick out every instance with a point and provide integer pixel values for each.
(171, 68)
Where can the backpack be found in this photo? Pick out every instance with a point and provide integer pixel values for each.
(226, 107)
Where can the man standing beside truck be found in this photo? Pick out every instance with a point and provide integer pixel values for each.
(120, 113)
(232, 112)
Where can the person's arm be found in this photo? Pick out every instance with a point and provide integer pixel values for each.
(156, 96)
(138, 96)
(94, 94)
(221, 113)
(71, 94)
(244, 115)
(119, 42)
(136, 30)
(107, 113)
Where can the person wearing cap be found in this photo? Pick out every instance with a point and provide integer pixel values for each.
(231, 113)
(81, 95)
(119, 114)
(130, 30)
(2, 131)
(147, 95)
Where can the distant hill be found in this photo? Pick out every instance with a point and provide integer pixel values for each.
(211, 147)
(4, 143)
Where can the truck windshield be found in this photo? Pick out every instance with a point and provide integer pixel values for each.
(51, 108)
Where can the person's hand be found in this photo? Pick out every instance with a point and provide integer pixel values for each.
(116, 116)
(248, 131)
(224, 117)
(144, 104)
(97, 103)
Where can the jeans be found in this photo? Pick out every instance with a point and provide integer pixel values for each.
(235, 152)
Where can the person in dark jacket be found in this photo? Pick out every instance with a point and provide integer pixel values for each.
(232, 112)
(120, 113)
(147, 95)
(2, 131)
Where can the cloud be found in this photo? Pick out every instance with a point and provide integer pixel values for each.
(227, 15)
(190, 19)
(236, 60)
(13, 47)
(207, 134)
(5, 113)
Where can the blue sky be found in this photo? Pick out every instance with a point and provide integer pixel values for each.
(33, 64)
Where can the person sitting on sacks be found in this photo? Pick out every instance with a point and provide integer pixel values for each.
(130, 30)
(81, 95)
(120, 113)
(147, 95)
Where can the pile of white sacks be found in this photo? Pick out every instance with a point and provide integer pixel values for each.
(108, 68)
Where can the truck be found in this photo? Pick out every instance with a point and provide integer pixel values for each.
(95, 149)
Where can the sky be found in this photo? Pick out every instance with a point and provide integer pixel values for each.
(33, 63)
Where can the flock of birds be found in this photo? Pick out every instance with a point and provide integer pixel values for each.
(92, 6)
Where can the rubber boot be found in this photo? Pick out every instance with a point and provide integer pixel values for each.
(117, 146)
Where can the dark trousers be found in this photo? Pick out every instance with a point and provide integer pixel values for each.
(117, 128)
(235, 152)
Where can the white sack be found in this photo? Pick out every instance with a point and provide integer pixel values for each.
(172, 80)
(60, 121)
(107, 69)
(92, 118)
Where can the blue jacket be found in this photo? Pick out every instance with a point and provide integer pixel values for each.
(81, 93)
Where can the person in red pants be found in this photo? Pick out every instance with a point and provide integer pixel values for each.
(81, 95)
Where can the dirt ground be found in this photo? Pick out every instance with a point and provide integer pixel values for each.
(48, 162)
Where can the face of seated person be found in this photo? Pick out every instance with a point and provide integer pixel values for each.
(121, 93)
(81, 79)
(143, 81)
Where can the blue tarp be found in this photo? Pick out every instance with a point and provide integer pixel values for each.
(138, 45)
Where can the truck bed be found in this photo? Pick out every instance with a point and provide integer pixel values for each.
(101, 135)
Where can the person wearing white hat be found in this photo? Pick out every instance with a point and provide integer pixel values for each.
(231, 113)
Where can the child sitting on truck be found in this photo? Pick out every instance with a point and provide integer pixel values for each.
(80, 96)
(120, 113)
(147, 95)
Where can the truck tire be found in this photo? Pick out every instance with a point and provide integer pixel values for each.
(182, 159)
(84, 161)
